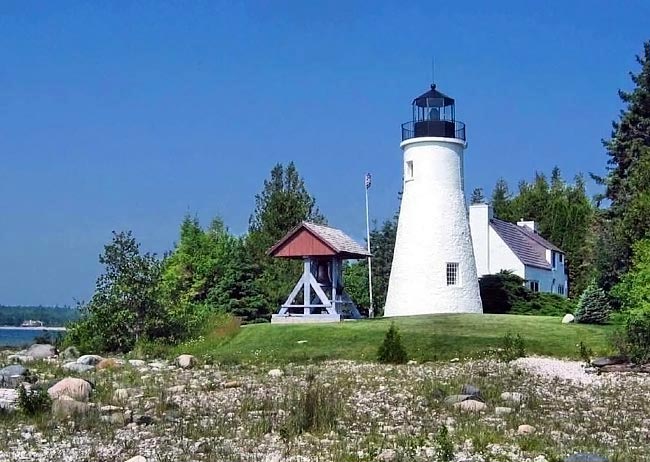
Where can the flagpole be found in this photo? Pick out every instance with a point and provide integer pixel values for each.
(371, 310)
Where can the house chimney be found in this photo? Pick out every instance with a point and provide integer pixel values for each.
(528, 224)
(479, 224)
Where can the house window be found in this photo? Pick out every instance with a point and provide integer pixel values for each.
(452, 274)
(534, 286)
(553, 255)
(560, 289)
(561, 256)
(409, 170)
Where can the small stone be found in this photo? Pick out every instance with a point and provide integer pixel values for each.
(144, 420)
(471, 405)
(568, 318)
(526, 429)
(232, 384)
(275, 373)
(512, 397)
(89, 360)
(176, 389)
(412, 362)
(75, 388)
(502, 410)
(301, 342)
(20, 358)
(137, 363)
(453, 399)
(186, 361)
(109, 409)
(454, 360)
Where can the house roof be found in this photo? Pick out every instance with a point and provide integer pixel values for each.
(340, 243)
(526, 244)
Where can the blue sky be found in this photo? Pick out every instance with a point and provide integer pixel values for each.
(128, 115)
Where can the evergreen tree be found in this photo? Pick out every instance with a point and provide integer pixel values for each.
(391, 351)
(283, 204)
(477, 196)
(628, 180)
(501, 200)
(593, 306)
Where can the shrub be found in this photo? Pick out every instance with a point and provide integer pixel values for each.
(593, 306)
(445, 450)
(33, 402)
(637, 337)
(511, 347)
(391, 350)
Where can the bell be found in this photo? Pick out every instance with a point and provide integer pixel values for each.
(323, 274)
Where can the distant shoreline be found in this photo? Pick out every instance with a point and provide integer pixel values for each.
(55, 329)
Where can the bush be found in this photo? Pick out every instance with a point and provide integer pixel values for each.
(593, 306)
(637, 337)
(391, 350)
(511, 347)
(544, 304)
(33, 402)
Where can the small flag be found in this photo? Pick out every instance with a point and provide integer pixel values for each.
(368, 180)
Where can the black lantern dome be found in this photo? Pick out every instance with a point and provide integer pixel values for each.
(434, 114)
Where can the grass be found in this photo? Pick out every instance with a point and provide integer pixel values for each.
(426, 338)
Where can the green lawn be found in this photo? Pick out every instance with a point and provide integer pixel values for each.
(426, 338)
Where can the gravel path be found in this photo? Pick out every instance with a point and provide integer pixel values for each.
(557, 368)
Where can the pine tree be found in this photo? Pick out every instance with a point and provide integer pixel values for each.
(391, 350)
(501, 200)
(628, 180)
(593, 306)
(477, 196)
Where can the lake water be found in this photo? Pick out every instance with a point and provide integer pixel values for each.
(22, 336)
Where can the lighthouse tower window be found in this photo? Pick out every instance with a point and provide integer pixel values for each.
(409, 170)
(452, 274)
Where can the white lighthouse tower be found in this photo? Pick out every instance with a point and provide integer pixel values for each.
(433, 266)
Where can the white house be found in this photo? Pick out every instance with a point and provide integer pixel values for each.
(501, 245)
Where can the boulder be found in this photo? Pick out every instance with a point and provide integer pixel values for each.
(89, 360)
(76, 367)
(66, 407)
(70, 353)
(41, 351)
(12, 376)
(276, 373)
(453, 399)
(137, 459)
(512, 397)
(526, 430)
(617, 368)
(186, 361)
(75, 388)
(568, 319)
(470, 390)
(108, 363)
(8, 399)
(20, 358)
(470, 405)
(609, 361)
(585, 457)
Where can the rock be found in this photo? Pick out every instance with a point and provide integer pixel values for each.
(137, 363)
(20, 358)
(144, 420)
(585, 457)
(66, 407)
(412, 362)
(186, 361)
(232, 384)
(8, 399)
(470, 390)
(12, 376)
(89, 360)
(123, 394)
(176, 389)
(454, 399)
(70, 353)
(526, 430)
(76, 367)
(609, 361)
(470, 405)
(107, 363)
(137, 459)
(41, 351)
(512, 397)
(275, 373)
(568, 318)
(78, 389)
(502, 410)
(617, 368)
(387, 455)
